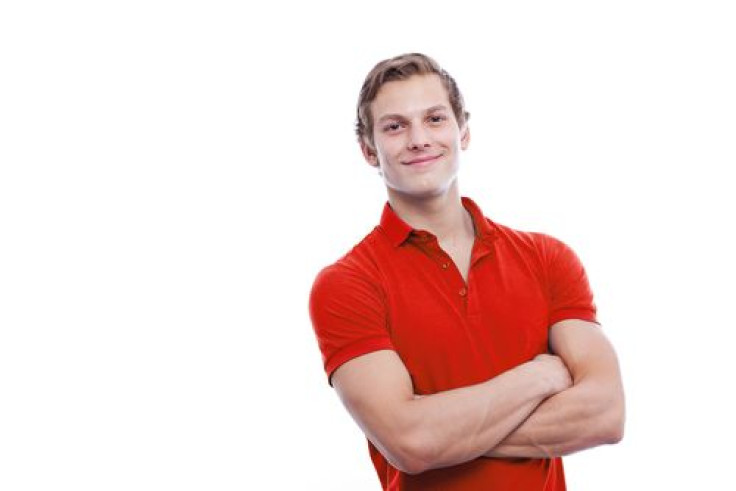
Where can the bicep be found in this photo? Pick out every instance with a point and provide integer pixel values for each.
(375, 388)
(585, 349)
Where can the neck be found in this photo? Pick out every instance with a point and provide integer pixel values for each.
(443, 215)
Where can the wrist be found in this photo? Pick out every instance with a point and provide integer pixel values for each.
(538, 376)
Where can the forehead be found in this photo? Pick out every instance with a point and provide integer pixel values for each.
(411, 96)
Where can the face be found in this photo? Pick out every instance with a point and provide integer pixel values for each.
(417, 141)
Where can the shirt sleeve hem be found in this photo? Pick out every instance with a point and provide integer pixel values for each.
(580, 314)
(353, 351)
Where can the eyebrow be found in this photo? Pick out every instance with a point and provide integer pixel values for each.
(432, 109)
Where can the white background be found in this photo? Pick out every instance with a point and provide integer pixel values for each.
(174, 174)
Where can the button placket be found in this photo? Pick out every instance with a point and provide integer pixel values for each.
(455, 281)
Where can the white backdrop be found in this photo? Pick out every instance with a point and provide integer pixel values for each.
(174, 174)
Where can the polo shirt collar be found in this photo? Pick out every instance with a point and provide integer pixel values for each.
(398, 230)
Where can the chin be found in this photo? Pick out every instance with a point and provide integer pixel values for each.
(421, 193)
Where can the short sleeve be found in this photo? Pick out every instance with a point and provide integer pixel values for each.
(348, 315)
(570, 296)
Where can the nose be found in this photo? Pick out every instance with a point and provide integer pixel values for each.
(418, 137)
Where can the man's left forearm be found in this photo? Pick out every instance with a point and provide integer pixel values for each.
(589, 413)
(581, 417)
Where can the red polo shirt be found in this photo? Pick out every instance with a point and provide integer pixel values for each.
(397, 289)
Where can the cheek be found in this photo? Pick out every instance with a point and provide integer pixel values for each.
(451, 138)
(389, 152)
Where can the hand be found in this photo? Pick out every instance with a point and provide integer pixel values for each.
(553, 371)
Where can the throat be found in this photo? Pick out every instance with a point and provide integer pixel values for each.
(460, 252)
(460, 247)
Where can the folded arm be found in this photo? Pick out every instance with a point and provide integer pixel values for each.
(416, 433)
(589, 413)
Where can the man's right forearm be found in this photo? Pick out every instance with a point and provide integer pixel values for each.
(462, 424)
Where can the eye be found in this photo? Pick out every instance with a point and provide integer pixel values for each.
(391, 127)
(437, 118)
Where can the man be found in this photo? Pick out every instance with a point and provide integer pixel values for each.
(468, 352)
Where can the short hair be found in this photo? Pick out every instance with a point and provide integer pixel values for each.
(401, 68)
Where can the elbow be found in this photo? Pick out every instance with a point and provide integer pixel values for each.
(403, 442)
(412, 466)
(414, 450)
(616, 430)
(410, 455)
(602, 424)
(612, 434)
(613, 427)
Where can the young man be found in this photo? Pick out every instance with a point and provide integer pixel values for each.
(468, 352)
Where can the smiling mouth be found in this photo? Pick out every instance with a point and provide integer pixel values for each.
(423, 160)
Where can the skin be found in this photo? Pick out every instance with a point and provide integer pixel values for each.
(414, 121)
(553, 405)
(587, 414)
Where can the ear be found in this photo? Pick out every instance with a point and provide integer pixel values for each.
(465, 137)
(369, 153)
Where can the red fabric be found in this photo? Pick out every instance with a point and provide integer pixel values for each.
(397, 289)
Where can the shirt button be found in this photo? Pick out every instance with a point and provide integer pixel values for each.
(463, 292)
(445, 265)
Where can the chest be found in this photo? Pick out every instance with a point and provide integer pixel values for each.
(453, 330)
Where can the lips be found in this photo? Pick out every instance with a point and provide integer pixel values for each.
(423, 160)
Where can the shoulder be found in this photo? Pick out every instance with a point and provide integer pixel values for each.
(542, 245)
(357, 267)
(547, 256)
